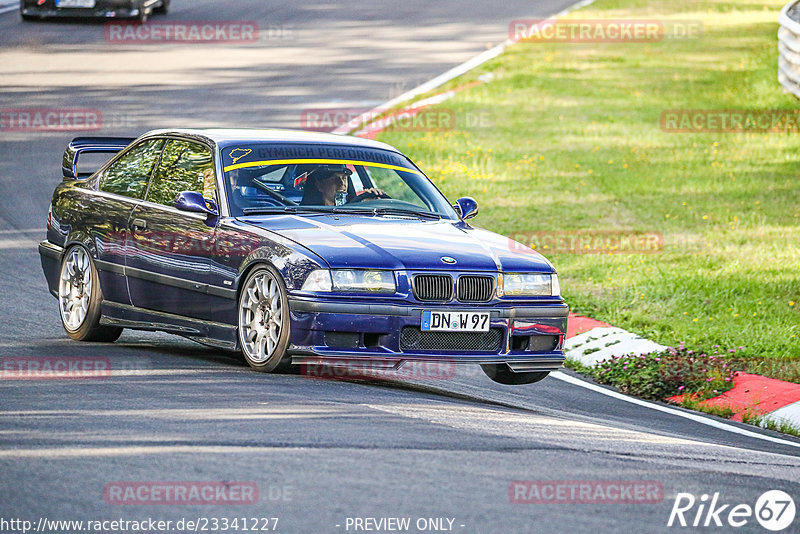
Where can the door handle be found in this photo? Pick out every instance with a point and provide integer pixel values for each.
(139, 224)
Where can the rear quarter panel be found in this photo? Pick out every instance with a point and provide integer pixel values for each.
(97, 221)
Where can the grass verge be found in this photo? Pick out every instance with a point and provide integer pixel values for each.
(567, 137)
(777, 425)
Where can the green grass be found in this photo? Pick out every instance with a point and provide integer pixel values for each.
(569, 140)
(771, 423)
(666, 374)
(692, 404)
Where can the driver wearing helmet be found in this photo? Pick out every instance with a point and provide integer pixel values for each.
(327, 186)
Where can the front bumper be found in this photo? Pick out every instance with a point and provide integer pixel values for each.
(528, 337)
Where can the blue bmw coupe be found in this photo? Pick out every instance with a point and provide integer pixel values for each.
(133, 9)
(293, 247)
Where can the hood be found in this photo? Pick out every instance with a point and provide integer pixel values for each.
(346, 241)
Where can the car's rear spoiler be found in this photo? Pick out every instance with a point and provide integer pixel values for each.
(79, 145)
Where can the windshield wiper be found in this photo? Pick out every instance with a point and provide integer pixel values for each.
(283, 209)
(264, 211)
(399, 211)
(338, 210)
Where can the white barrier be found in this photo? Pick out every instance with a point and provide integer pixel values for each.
(789, 47)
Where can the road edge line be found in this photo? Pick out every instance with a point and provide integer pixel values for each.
(558, 375)
(9, 8)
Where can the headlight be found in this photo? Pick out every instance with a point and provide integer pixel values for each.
(522, 284)
(350, 280)
(319, 280)
(366, 281)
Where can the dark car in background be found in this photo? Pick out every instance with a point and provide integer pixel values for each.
(126, 9)
(293, 247)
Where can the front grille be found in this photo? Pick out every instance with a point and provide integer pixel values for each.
(475, 288)
(433, 287)
(413, 339)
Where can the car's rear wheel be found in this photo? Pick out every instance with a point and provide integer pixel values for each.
(503, 374)
(80, 298)
(264, 321)
(163, 9)
(141, 18)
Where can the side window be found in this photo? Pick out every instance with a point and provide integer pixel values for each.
(128, 175)
(185, 166)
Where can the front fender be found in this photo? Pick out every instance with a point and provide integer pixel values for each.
(294, 266)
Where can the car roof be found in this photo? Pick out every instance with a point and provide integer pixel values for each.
(223, 136)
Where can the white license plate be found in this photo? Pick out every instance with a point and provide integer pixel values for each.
(455, 321)
(76, 3)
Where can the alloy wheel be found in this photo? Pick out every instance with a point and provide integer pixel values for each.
(75, 288)
(261, 317)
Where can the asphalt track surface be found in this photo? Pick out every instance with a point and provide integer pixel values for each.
(320, 451)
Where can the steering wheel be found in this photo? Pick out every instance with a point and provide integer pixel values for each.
(367, 195)
(274, 194)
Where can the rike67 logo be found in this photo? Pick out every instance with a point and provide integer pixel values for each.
(774, 510)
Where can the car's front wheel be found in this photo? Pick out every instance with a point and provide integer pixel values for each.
(503, 374)
(80, 298)
(264, 321)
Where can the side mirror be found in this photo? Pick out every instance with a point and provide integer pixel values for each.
(194, 202)
(467, 207)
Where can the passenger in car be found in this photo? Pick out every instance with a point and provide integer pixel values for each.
(237, 198)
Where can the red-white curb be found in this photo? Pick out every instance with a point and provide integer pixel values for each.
(759, 396)
(604, 342)
(590, 341)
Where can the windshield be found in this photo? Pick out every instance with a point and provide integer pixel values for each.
(267, 178)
